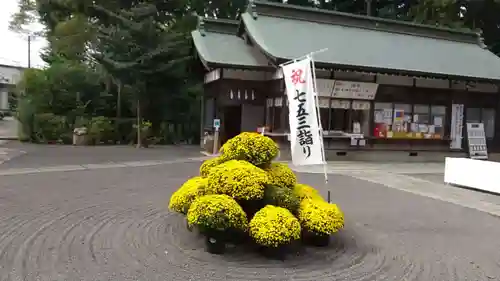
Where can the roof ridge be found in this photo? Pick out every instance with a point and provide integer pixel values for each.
(208, 24)
(253, 8)
(226, 21)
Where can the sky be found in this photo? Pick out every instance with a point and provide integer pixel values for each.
(13, 46)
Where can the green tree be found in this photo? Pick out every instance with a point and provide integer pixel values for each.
(145, 55)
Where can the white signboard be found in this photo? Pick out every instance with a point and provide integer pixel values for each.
(457, 119)
(477, 141)
(354, 90)
(216, 124)
(305, 140)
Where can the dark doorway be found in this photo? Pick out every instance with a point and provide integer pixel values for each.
(232, 120)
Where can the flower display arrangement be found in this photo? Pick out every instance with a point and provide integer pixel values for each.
(242, 194)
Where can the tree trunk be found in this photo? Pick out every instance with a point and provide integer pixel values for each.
(119, 100)
(118, 111)
(139, 127)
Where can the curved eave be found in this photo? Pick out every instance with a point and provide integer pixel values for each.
(210, 65)
(214, 53)
(389, 71)
(259, 44)
(213, 65)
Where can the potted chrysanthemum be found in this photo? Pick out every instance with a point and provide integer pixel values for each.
(274, 229)
(281, 175)
(319, 220)
(216, 217)
(251, 147)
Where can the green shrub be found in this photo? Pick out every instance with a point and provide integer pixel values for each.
(125, 132)
(281, 197)
(26, 116)
(49, 127)
(101, 129)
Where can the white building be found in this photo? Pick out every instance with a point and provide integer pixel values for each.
(9, 75)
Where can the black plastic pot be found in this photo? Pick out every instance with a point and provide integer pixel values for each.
(236, 237)
(214, 245)
(314, 239)
(274, 253)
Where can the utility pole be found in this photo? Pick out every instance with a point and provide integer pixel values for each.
(29, 51)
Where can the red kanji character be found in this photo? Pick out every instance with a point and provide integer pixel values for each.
(297, 76)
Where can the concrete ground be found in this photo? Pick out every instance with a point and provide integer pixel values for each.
(109, 221)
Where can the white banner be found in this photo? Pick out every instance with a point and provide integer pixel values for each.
(306, 145)
(457, 119)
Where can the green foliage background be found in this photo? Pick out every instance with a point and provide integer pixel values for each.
(130, 60)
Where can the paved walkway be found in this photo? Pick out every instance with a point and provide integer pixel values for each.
(425, 179)
(7, 154)
(36, 156)
(8, 128)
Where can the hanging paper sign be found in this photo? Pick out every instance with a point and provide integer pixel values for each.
(354, 90)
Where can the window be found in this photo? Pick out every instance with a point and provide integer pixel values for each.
(421, 119)
(209, 113)
(473, 115)
(339, 115)
(485, 116)
(278, 116)
(407, 121)
(488, 119)
(360, 117)
(438, 117)
(269, 113)
(383, 119)
(402, 118)
(324, 112)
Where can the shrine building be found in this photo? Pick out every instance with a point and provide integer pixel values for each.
(383, 85)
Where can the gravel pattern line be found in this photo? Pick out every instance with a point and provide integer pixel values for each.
(112, 224)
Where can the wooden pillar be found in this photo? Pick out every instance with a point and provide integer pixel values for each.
(496, 138)
(202, 116)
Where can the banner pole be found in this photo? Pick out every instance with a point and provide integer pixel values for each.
(318, 114)
(302, 57)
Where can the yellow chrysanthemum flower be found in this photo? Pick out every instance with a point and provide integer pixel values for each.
(274, 226)
(320, 217)
(217, 212)
(304, 191)
(193, 188)
(251, 147)
(238, 179)
(281, 175)
(208, 165)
